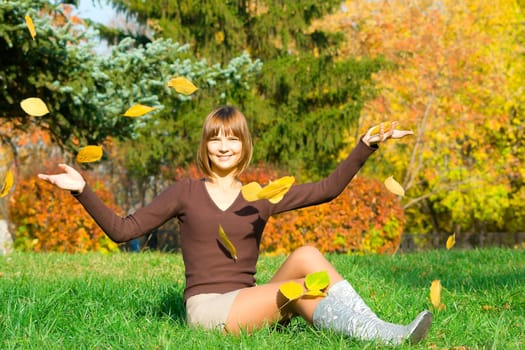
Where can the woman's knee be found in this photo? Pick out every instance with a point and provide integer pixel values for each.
(307, 252)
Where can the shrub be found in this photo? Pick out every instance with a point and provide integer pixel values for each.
(49, 219)
(365, 218)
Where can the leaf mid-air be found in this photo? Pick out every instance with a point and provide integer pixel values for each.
(89, 154)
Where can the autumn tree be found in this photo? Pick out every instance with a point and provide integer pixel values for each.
(86, 92)
(458, 83)
(303, 99)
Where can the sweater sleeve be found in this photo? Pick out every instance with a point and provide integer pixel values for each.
(145, 219)
(303, 195)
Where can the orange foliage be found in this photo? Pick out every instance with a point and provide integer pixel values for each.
(49, 219)
(366, 218)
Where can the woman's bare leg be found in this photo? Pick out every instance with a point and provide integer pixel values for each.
(258, 306)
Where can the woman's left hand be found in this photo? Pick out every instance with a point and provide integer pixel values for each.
(385, 132)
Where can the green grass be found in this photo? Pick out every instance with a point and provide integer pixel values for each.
(133, 301)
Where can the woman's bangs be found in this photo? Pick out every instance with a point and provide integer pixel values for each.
(228, 125)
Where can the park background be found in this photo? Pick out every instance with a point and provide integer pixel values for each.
(311, 76)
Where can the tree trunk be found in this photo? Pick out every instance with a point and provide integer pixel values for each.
(6, 241)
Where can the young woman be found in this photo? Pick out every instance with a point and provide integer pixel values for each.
(220, 290)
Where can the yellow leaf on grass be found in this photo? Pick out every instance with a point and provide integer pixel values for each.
(8, 183)
(435, 295)
(227, 243)
(291, 290)
(394, 186)
(317, 281)
(182, 85)
(89, 154)
(34, 106)
(451, 241)
(30, 26)
(250, 191)
(138, 110)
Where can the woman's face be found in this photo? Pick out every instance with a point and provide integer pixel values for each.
(224, 152)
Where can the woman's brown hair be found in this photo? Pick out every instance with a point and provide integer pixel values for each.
(230, 121)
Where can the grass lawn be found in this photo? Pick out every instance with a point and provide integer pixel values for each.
(133, 301)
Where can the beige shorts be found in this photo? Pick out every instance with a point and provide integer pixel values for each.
(209, 310)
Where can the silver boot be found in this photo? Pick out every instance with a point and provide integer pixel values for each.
(344, 311)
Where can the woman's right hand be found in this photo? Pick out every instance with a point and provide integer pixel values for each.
(70, 179)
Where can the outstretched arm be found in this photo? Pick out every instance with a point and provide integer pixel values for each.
(119, 229)
(325, 190)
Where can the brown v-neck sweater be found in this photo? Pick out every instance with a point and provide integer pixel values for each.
(209, 266)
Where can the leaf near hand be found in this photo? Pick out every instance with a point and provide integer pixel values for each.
(138, 110)
(377, 129)
(394, 186)
(89, 154)
(182, 85)
(30, 26)
(451, 241)
(7, 184)
(227, 243)
(34, 107)
(291, 290)
(317, 281)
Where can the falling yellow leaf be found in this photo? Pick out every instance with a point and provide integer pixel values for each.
(250, 191)
(8, 183)
(451, 241)
(34, 106)
(138, 110)
(435, 294)
(276, 190)
(30, 26)
(273, 192)
(227, 243)
(394, 186)
(219, 37)
(182, 85)
(89, 154)
(291, 290)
